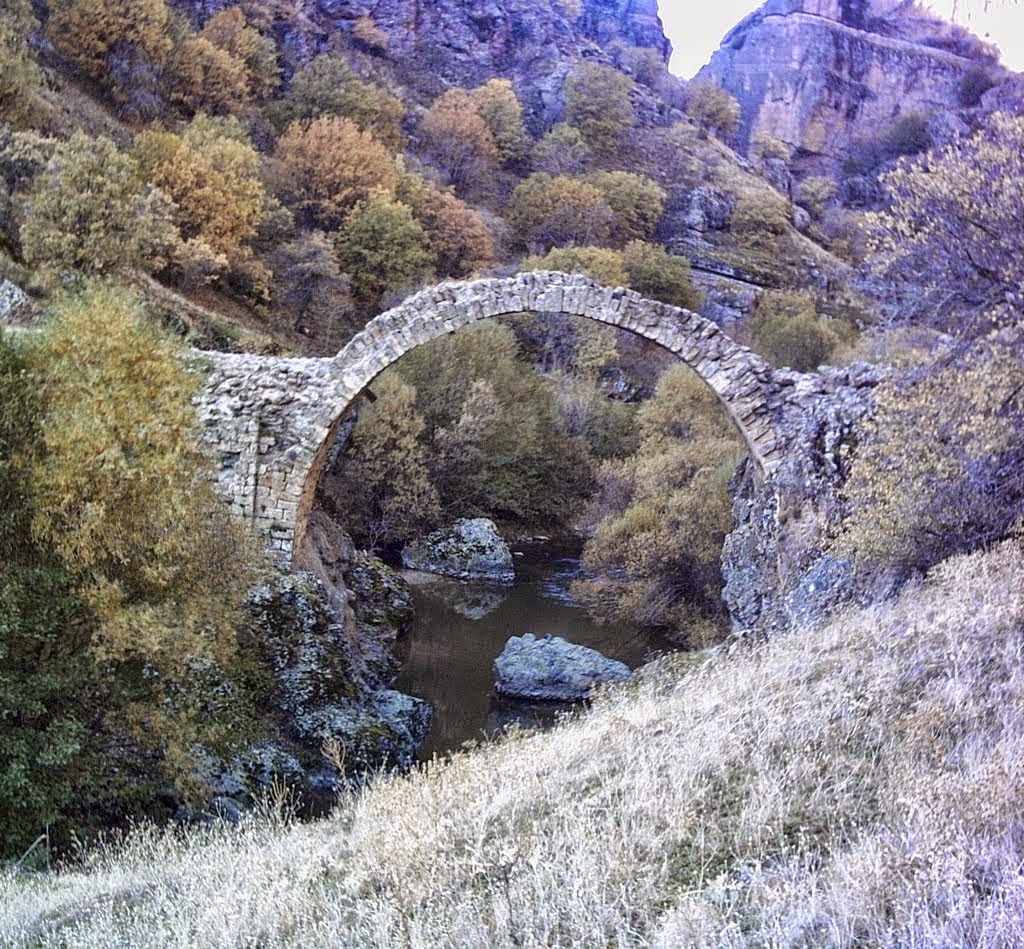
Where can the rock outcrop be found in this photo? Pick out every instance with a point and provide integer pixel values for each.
(776, 563)
(435, 45)
(331, 684)
(819, 74)
(471, 549)
(552, 669)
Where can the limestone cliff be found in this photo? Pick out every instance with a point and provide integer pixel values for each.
(820, 74)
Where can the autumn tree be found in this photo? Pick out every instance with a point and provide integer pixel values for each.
(565, 344)
(548, 211)
(597, 102)
(636, 201)
(814, 194)
(229, 30)
(310, 292)
(328, 86)
(91, 211)
(327, 167)
(207, 78)
(658, 275)
(212, 174)
(562, 151)
(788, 331)
(502, 112)
(45, 631)
(383, 248)
(459, 238)
(713, 109)
(949, 242)
(95, 33)
(155, 559)
(458, 140)
(940, 467)
(527, 468)
(660, 517)
(20, 76)
(385, 486)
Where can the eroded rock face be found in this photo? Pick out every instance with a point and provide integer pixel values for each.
(14, 302)
(819, 74)
(471, 549)
(776, 563)
(453, 42)
(330, 682)
(552, 669)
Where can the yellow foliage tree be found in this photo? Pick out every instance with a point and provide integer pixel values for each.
(327, 167)
(502, 112)
(88, 31)
(457, 138)
(661, 516)
(212, 174)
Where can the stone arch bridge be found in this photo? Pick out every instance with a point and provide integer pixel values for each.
(272, 421)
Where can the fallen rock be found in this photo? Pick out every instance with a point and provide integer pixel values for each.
(469, 550)
(553, 669)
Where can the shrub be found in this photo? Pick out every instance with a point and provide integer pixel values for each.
(661, 516)
(597, 102)
(768, 146)
(814, 193)
(973, 86)
(787, 331)
(761, 219)
(659, 275)
(550, 211)
(713, 109)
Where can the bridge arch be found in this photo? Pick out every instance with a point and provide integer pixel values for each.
(272, 420)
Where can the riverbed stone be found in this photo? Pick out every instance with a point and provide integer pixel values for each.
(553, 669)
(471, 549)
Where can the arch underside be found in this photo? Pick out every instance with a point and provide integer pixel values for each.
(273, 419)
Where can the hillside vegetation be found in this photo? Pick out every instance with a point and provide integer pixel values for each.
(856, 784)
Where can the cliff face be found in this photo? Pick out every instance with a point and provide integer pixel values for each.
(819, 74)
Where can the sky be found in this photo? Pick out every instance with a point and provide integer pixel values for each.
(696, 29)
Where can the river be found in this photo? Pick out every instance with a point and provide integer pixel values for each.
(460, 629)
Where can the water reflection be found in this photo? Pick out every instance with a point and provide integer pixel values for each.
(448, 655)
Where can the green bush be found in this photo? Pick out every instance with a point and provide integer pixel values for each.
(788, 331)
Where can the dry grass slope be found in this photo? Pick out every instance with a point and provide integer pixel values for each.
(855, 785)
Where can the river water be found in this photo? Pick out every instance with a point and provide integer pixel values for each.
(460, 629)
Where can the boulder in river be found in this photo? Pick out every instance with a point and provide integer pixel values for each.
(469, 550)
(553, 669)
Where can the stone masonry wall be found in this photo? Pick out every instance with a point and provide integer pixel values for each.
(269, 420)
